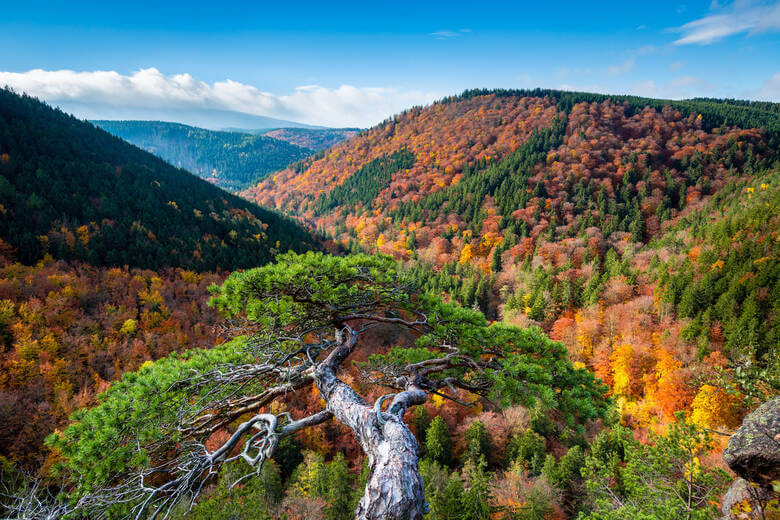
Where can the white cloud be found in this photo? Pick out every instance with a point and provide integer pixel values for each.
(147, 90)
(445, 34)
(622, 68)
(741, 17)
(675, 66)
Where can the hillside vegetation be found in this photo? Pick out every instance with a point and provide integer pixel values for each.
(587, 215)
(630, 239)
(77, 206)
(232, 160)
(75, 192)
(68, 331)
(316, 139)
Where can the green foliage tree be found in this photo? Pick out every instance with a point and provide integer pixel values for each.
(443, 491)
(438, 445)
(330, 481)
(478, 445)
(421, 421)
(339, 496)
(565, 475)
(664, 480)
(527, 448)
(254, 499)
(475, 502)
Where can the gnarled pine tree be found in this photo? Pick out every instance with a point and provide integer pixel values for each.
(150, 442)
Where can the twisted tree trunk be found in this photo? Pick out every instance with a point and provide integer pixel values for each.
(394, 490)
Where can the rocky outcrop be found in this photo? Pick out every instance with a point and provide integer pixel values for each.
(753, 452)
(745, 501)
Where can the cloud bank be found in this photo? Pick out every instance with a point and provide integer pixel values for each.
(147, 91)
(741, 17)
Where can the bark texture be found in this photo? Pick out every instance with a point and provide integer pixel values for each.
(394, 490)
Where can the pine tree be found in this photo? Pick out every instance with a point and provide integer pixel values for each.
(528, 449)
(475, 503)
(477, 442)
(565, 475)
(437, 441)
(421, 421)
(310, 478)
(443, 491)
(447, 502)
(495, 264)
(339, 495)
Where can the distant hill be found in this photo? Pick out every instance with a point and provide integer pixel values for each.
(457, 136)
(229, 159)
(209, 118)
(78, 193)
(313, 139)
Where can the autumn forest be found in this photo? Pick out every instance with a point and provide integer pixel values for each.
(557, 304)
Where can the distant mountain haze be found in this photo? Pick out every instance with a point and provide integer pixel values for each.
(229, 159)
(212, 119)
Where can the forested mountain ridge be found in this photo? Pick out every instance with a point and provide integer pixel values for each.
(457, 134)
(542, 207)
(445, 138)
(76, 192)
(232, 160)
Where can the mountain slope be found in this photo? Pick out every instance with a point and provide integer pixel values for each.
(229, 159)
(538, 207)
(461, 134)
(313, 139)
(70, 194)
(445, 138)
(67, 330)
(78, 193)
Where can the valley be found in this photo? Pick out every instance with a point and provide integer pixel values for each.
(230, 159)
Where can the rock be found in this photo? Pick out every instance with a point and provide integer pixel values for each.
(745, 501)
(753, 452)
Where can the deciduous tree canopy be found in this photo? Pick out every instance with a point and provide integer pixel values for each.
(148, 444)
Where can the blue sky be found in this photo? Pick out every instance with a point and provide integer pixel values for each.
(357, 63)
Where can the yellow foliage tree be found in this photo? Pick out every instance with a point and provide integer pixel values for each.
(620, 361)
(309, 476)
(465, 254)
(713, 407)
